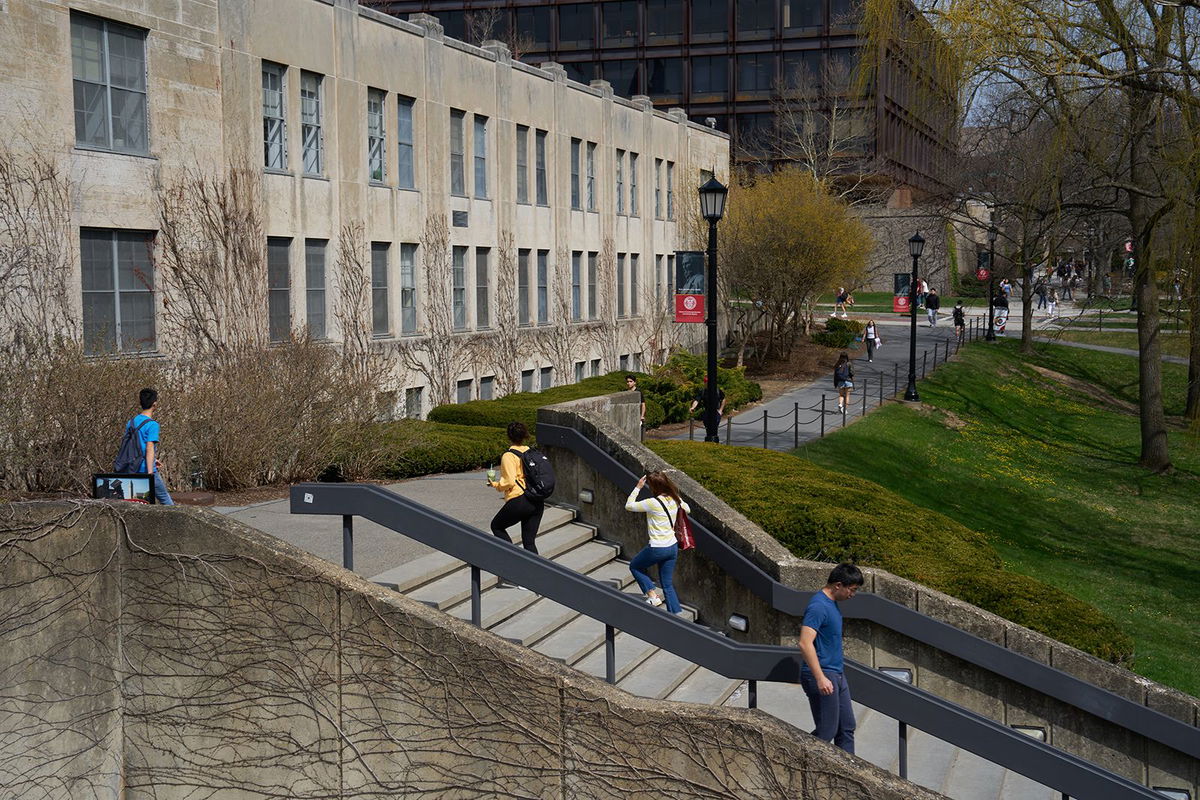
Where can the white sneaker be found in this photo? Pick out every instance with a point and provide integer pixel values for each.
(844, 316)
(654, 600)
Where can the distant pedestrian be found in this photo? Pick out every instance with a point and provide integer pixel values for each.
(871, 337)
(700, 398)
(922, 290)
(661, 510)
(1069, 286)
(843, 381)
(932, 303)
(1106, 283)
(841, 301)
(146, 430)
(1052, 302)
(960, 320)
(1039, 290)
(823, 675)
(631, 385)
(512, 484)
(1006, 287)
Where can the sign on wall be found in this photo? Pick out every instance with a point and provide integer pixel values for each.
(690, 286)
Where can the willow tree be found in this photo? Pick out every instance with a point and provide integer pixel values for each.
(1063, 56)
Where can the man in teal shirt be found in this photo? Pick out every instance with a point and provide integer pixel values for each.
(822, 676)
(148, 443)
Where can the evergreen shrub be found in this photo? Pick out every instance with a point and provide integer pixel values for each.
(839, 333)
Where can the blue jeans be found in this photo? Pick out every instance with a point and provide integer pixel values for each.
(161, 495)
(833, 715)
(665, 558)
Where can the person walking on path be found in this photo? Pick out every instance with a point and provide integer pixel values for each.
(932, 304)
(1052, 303)
(631, 385)
(517, 506)
(1039, 290)
(823, 674)
(843, 298)
(843, 381)
(922, 290)
(146, 429)
(700, 399)
(871, 337)
(661, 511)
(960, 321)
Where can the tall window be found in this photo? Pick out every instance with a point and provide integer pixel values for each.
(620, 22)
(664, 21)
(803, 14)
(314, 286)
(710, 19)
(414, 402)
(480, 143)
(534, 22)
(118, 291)
(279, 283)
(310, 123)
(658, 188)
(523, 287)
(463, 391)
(522, 164)
(543, 286)
(633, 186)
(620, 285)
(274, 118)
(547, 377)
(376, 145)
(405, 177)
(670, 277)
(108, 63)
(543, 197)
(458, 294)
(408, 288)
(634, 284)
(755, 18)
(710, 75)
(576, 26)
(591, 176)
(658, 280)
(591, 285)
(620, 181)
(666, 78)
(458, 176)
(381, 323)
(482, 274)
(756, 72)
(575, 144)
(670, 190)
(526, 380)
(595, 367)
(487, 387)
(576, 286)
(580, 370)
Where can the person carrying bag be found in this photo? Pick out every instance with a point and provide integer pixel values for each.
(666, 512)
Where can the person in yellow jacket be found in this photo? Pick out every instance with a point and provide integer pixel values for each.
(511, 483)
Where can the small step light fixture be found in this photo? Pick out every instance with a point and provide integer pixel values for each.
(902, 674)
(739, 623)
(1032, 731)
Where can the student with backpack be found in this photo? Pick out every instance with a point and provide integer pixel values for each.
(139, 447)
(843, 381)
(526, 480)
(662, 512)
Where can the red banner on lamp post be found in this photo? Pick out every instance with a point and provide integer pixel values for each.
(982, 275)
(689, 308)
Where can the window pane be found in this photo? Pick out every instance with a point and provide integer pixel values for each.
(634, 283)
(542, 194)
(841, 14)
(135, 271)
(547, 375)
(710, 74)
(523, 287)
(91, 114)
(274, 125)
(482, 306)
(664, 19)
(95, 251)
(591, 280)
(463, 394)
(314, 284)
(487, 387)
(756, 72)
(803, 14)
(405, 178)
(543, 286)
(480, 143)
(87, 49)
(376, 147)
(576, 286)
(129, 121)
(380, 322)
(126, 57)
(457, 164)
(623, 75)
(710, 18)
(526, 380)
(535, 23)
(137, 321)
(522, 164)
(310, 122)
(575, 146)
(755, 18)
(458, 277)
(620, 22)
(408, 288)
(576, 25)
(591, 176)
(580, 71)
(99, 322)
(620, 284)
(666, 77)
(802, 70)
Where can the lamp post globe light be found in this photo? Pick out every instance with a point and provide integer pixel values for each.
(915, 246)
(712, 206)
(990, 336)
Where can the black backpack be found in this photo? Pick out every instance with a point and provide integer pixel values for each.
(539, 474)
(130, 454)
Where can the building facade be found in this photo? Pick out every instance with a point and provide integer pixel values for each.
(734, 61)
(479, 196)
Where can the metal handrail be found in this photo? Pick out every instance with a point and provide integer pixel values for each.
(1062, 771)
(889, 614)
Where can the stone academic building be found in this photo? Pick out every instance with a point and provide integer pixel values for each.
(552, 205)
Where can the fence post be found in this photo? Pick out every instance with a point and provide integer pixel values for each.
(880, 393)
(752, 694)
(1102, 319)
(348, 542)
(822, 416)
(764, 429)
(924, 362)
(864, 411)
(610, 654)
(728, 430)
(476, 598)
(691, 430)
(796, 425)
(844, 405)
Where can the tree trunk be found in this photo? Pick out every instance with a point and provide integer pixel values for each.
(1026, 304)
(1192, 411)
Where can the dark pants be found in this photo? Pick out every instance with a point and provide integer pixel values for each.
(870, 348)
(525, 511)
(833, 715)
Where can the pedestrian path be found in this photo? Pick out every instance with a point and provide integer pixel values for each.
(1124, 351)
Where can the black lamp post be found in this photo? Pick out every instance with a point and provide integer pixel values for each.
(1091, 261)
(712, 207)
(990, 336)
(915, 245)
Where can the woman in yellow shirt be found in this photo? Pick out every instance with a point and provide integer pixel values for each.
(511, 483)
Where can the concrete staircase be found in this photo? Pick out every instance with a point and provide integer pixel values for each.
(642, 669)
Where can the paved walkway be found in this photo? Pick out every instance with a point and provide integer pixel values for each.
(1106, 349)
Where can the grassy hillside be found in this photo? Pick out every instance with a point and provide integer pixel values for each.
(1040, 456)
(819, 513)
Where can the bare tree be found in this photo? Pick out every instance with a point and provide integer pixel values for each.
(212, 263)
(561, 340)
(507, 339)
(606, 335)
(488, 24)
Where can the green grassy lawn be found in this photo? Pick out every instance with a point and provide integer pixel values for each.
(1173, 344)
(1046, 468)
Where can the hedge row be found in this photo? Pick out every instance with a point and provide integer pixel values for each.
(817, 513)
(838, 333)
(416, 448)
(668, 394)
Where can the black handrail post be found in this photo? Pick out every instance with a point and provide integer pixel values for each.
(822, 416)
(864, 411)
(476, 598)
(764, 429)
(348, 542)
(728, 430)
(796, 425)
(844, 414)
(903, 746)
(752, 694)
(880, 393)
(895, 379)
(924, 362)
(610, 653)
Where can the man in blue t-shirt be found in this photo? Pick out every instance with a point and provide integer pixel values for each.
(822, 676)
(148, 444)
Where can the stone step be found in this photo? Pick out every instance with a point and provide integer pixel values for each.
(707, 687)
(973, 778)
(544, 616)
(428, 568)
(501, 604)
(577, 638)
(658, 675)
(453, 588)
(629, 654)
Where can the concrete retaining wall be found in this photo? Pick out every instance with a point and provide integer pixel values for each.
(171, 653)
(608, 422)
